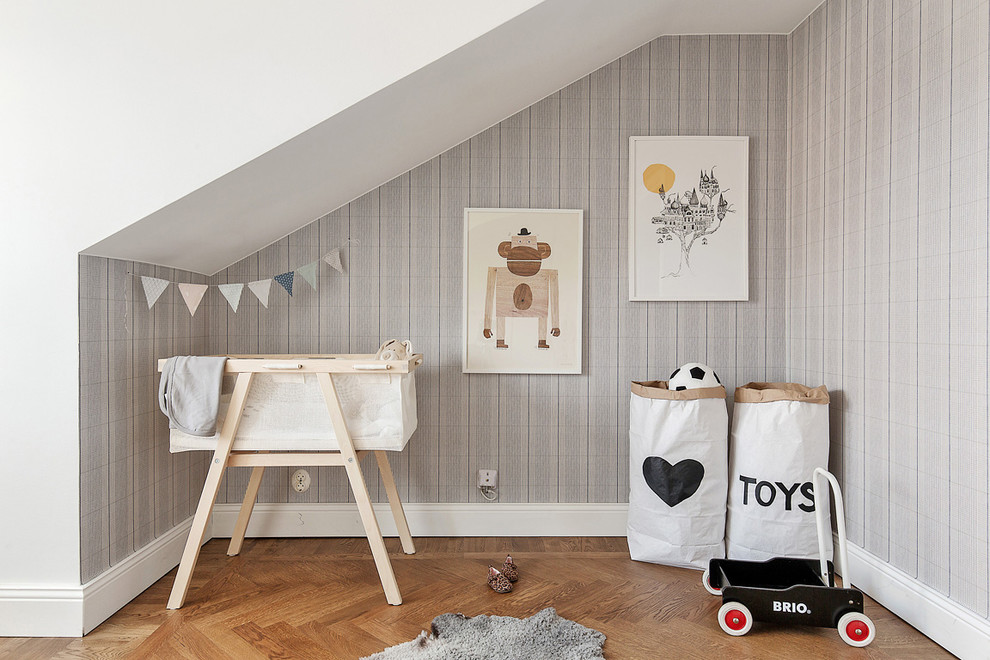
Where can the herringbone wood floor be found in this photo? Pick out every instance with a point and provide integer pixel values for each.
(320, 598)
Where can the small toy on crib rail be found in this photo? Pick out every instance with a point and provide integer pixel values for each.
(393, 349)
(693, 375)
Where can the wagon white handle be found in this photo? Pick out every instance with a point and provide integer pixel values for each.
(840, 519)
(378, 366)
(283, 366)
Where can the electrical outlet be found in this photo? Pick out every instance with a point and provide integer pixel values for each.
(487, 478)
(300, 481)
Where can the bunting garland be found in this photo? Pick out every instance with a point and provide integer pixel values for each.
(285, 279)
(232, 292)
(261, 288)
(153, 288)
(308, 273)
(333, 260)
(192, 294)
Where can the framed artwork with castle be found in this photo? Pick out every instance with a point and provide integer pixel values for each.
(689, 218)
(523, 291)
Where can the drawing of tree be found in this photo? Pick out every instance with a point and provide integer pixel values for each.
(690, 216)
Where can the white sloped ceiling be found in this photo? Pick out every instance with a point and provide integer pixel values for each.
(540, 48)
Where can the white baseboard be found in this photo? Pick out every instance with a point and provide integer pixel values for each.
(74, 610)
(429, 519)
(950, 625)
(108, 592)
(41, 611)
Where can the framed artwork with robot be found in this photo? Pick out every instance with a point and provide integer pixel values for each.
(523, 290)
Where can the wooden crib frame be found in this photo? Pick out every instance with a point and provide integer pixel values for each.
(245, 366)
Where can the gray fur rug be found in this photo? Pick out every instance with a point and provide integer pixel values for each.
(543, 636)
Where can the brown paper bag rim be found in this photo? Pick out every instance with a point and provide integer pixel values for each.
(657, 389)
(768, 392)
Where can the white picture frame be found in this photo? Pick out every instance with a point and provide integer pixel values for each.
(689, 241)
(523, 280)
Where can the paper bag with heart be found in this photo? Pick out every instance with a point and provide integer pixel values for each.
(673, 483)
(678, 474)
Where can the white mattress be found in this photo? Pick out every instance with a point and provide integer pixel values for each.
(287, 412)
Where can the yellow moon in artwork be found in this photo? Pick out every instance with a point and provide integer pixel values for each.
(657, 175)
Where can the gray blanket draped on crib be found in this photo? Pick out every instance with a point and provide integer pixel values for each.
(189, 393)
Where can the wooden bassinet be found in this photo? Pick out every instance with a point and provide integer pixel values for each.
(291, 410)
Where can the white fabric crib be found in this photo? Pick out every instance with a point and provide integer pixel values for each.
(290, 410)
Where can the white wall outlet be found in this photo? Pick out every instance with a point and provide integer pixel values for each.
(487, 478)
(300, 481)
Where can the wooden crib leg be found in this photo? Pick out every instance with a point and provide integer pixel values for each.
(401, 525)
(247, 507)
(374, 533)
(198, 530)
(360, 489)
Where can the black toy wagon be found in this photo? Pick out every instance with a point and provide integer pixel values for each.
(792, 591)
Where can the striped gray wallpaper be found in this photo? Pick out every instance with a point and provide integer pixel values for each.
(552, 438)
(888, 248)
(132, 489)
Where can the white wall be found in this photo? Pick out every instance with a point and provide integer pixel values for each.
(126, 108)
(109, 111)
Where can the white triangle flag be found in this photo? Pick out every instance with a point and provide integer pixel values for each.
(232, 292)
(333, 260)
(193, 295)
(261, 288)
(153, 288)
(308, 273)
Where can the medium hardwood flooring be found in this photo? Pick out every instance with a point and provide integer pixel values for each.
(321, 598)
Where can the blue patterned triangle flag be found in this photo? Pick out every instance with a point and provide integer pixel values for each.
(285, 279)
(308, 273)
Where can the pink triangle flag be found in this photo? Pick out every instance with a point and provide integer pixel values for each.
(193, 295)
(308, 273)
(232, 292)
(153, 288)
(261, 288)
(333, 260)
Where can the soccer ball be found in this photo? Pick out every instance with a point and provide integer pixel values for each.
(693, 375)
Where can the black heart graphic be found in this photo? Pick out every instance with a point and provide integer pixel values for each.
(673, 483)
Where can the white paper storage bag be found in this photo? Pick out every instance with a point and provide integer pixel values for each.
(678, 471)
(779, 436)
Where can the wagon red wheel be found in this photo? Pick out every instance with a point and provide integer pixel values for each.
(856, 629)
(735, 618)
(706, 580)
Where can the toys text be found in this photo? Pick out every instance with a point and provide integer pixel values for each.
(765, 493)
